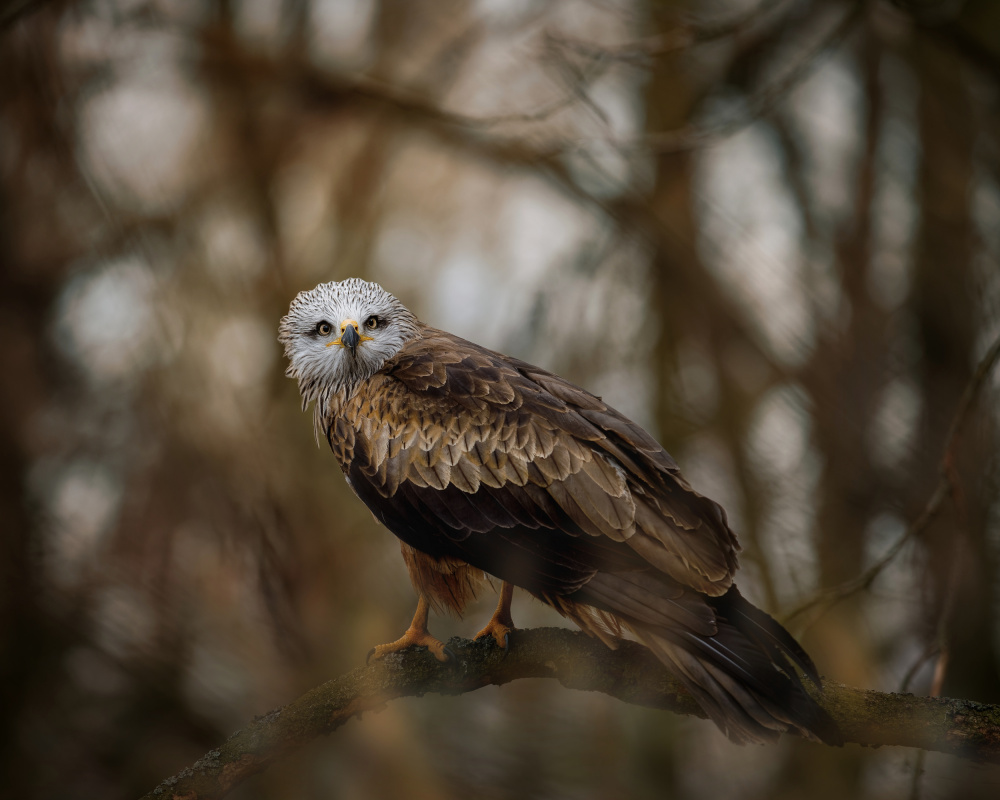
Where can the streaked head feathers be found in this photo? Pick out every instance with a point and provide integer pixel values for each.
(339, 334)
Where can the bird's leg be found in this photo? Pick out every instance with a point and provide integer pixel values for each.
(416, 634)
(501, 623)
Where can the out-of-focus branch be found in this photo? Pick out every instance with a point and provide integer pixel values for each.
(945, 487)
(319, 84)
(13, 10)
(687, 34)
(630, 673)
(294, 71)
(760, 102)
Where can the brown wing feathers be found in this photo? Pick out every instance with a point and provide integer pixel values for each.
(471, 457)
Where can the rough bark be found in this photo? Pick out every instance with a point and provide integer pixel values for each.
(959, 727)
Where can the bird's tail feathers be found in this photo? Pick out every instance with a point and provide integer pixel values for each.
(748, 705)
(743, 675)
(767, 633)
(737, 661)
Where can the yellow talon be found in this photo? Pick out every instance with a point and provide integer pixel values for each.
(416, 634)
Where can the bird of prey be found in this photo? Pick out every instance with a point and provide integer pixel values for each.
(481, 463)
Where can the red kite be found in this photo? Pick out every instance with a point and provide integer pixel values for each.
(481, 463)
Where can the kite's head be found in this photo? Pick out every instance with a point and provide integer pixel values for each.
(340, 334)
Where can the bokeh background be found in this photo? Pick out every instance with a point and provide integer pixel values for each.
(768, 230)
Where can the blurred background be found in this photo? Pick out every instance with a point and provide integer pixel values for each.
(768, 230)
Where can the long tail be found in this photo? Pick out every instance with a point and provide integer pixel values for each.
(743, 675)
(742, 668)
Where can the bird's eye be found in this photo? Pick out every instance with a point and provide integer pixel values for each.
(371, 323)
(324, 328)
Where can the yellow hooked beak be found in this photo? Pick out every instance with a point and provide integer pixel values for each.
(350, 336)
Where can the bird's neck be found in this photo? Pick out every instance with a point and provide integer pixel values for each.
(328, 406)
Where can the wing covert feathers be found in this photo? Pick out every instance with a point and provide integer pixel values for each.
(480, 462)
(447, 414)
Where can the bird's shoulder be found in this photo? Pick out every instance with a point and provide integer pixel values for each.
(440, 382)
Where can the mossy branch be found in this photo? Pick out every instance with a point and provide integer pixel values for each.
(631, 673)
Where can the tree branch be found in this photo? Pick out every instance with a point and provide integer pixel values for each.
(630, 673)
(685, 35)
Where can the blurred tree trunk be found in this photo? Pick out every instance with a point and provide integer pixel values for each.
(42, 625)
(670, 97)
(845, 378)
(669, 100)
(24, 632)
(31, 647)
(690, 306)
(949, 320)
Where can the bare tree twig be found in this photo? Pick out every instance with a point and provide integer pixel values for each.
(929, 651)
(827, 598)
(295, 71)
(759, 103)
(299, 72)
(630, 673)
(689, 33)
